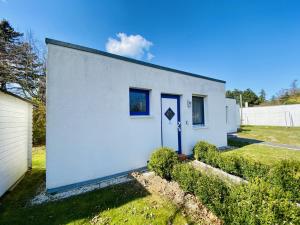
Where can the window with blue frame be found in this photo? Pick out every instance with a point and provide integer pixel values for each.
(138, 102)
(198, 110)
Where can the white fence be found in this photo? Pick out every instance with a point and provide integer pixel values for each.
(281, 115)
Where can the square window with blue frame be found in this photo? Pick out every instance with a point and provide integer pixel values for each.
(198, 110)
(138, 102)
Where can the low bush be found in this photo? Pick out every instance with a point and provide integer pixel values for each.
(259, 202)
(286, 175)
(236, 165)
(186, 176)
(242, 167)
(213, 192)
(250, 169)
(203, 149)
(162, 162)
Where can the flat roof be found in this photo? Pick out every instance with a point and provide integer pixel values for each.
(16, 96)
(92, 50)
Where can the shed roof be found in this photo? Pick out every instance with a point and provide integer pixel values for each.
(17, 96)
(95, 51)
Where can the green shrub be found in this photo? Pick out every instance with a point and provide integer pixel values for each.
(251, 169)
(229, 163)
(242, 167)
(286, 175)
(186, 176)
(202, 149)
(259, 202)
(233, 164)
(213, 192)
(162, 161)
(39, 123)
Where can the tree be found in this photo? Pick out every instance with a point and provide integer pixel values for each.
(273, 98)
(234, 94)
(9, 39)
(39, 123)
(250, 97)
(262, 96)
(294, 87)
(22, 68)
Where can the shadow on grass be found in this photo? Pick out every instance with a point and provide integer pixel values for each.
(241, 142)
(14, 208)
(243, 129)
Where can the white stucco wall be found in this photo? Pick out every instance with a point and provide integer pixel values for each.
(233, 120)
(89, 131)
(15, 139)
(281, 115)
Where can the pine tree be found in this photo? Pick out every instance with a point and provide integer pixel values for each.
(262, 96)
(9, 39)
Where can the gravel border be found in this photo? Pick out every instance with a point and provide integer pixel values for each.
(43, 196)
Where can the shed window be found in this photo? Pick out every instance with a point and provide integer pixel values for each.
(139, 102)
(198, 110)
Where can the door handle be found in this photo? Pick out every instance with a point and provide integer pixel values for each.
(179, 126)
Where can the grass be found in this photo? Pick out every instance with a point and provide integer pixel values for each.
(126, 203)
(265, 154)
(281, 135)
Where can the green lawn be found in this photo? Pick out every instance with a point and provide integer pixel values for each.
(127, 203)
(265, 154)
(280, 135)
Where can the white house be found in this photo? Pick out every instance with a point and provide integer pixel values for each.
(232, 114)
(15, 139)
(107, 113)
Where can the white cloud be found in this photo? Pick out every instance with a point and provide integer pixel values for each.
(134, 46)
(150, 56)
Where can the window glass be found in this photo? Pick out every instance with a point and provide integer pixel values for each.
(139, 102)
(198, 110)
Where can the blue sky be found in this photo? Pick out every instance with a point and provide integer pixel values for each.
(253, 44)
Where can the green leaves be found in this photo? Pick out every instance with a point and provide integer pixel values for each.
(162, 161)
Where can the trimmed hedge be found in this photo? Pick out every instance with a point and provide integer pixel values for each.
(204, 150)
(162, 161)
(259, 202)
(285, 174)
(211, 190)
(186, 176)
(266, 199)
